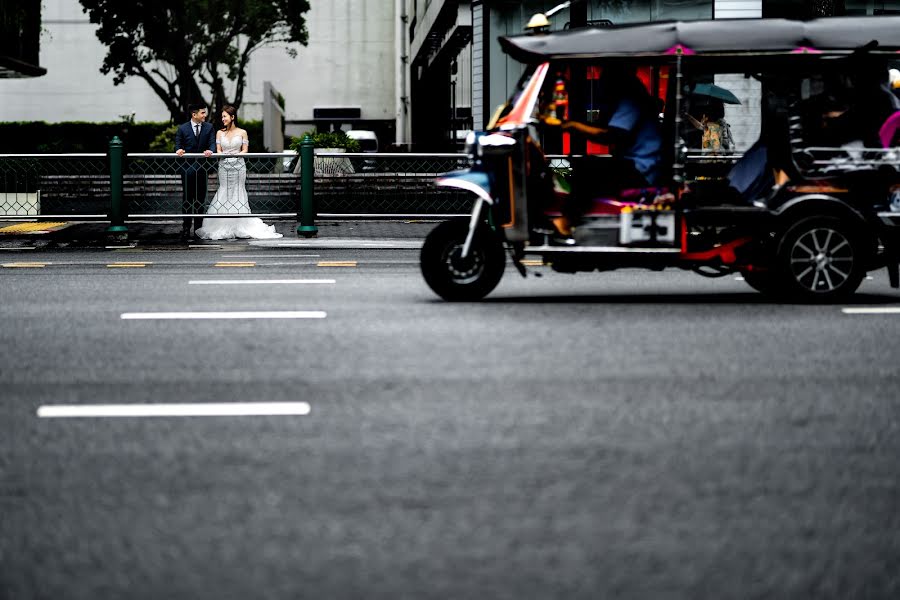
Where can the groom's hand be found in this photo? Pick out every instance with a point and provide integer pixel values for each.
(180, 152)
(207, 153)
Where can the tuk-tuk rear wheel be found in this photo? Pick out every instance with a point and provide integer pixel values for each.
(820, 259)
(459, 279)
(764, 282)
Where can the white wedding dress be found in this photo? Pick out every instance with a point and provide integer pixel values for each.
(231, 198)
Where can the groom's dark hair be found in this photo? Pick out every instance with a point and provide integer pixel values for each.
(195, 106)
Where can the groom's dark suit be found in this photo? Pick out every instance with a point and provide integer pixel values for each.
(194, 172)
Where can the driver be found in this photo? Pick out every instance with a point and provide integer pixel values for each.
(630, 127)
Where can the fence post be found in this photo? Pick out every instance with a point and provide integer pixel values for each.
(307, 212)
(116, 213)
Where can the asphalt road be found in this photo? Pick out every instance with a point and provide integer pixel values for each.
(618, 435)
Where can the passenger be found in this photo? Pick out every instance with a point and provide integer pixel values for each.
(867, 105)
(716, 132)
(765, 164)
(630, 127)
(851, 110)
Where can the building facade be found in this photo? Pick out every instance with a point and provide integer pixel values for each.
(346, 76)
(459, 73)
(20, 39)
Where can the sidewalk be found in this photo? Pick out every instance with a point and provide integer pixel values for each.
(92, 234)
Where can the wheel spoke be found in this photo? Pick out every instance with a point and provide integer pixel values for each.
(815, 283)
(805, 272)
(828, 239)
(828, 279)
(839, 246)
(839, 272)
(805, 248)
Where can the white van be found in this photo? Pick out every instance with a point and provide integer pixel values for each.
(368, 141)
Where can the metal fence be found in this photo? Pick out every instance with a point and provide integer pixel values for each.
(33, 185)
(160, 185)
(366, 183)
(165, 185)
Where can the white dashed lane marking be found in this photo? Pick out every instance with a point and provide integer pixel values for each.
(25, 265)
(259, 281)
(270, 314)
(228, 409)
(884, 310)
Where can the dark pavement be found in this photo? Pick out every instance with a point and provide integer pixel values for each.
(624, 435)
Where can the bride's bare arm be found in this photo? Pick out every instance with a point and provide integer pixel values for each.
(245, 141)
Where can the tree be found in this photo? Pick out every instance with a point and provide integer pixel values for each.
(824, 8)
(186, 49)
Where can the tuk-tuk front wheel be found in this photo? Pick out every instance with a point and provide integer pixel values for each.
(454, 277)
(821, 259)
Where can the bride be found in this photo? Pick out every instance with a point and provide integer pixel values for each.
(231, 197)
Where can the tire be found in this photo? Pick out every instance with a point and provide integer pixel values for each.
(456, 279)
(764, 282)
(820, 259)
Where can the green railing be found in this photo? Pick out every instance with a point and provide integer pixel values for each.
(117, 186)
(155, 185)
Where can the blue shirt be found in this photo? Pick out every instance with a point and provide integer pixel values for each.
(646, 141)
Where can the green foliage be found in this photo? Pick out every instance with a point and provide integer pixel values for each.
(165, 141)
(75, 136)
(79, 137)
(186, 49)
(327, 139)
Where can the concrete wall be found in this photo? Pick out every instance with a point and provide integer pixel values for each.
(745, 118)
(73, 88)
(738, 9)
(350, 61)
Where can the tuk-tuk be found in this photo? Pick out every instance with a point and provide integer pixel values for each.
(803, 206)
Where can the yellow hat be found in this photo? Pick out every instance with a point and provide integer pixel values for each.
(538, 21)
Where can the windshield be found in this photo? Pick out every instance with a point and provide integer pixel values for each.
(521, 107)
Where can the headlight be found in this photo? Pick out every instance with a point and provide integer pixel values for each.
(495, 144)
(471, 145)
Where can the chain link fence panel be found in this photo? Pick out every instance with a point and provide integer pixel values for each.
(166, 185)
(388, 184)
(68, 185)
(221, 185)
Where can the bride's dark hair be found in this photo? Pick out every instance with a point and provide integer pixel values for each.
(231, 110)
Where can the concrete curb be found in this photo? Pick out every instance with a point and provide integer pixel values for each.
(385, 234)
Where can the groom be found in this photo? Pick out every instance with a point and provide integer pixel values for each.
(194, 137)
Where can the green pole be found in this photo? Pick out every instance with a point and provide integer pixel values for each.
(116, 212)
(307, 213)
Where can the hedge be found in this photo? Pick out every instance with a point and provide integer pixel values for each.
(76, 136)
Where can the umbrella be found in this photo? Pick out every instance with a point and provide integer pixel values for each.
(714, 91)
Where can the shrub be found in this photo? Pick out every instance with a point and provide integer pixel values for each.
(164, 141)
(327, 139)
(76, 137)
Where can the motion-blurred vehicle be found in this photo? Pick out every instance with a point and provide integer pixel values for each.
(803, 213)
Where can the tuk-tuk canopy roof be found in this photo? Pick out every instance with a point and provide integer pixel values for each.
(833, 35)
